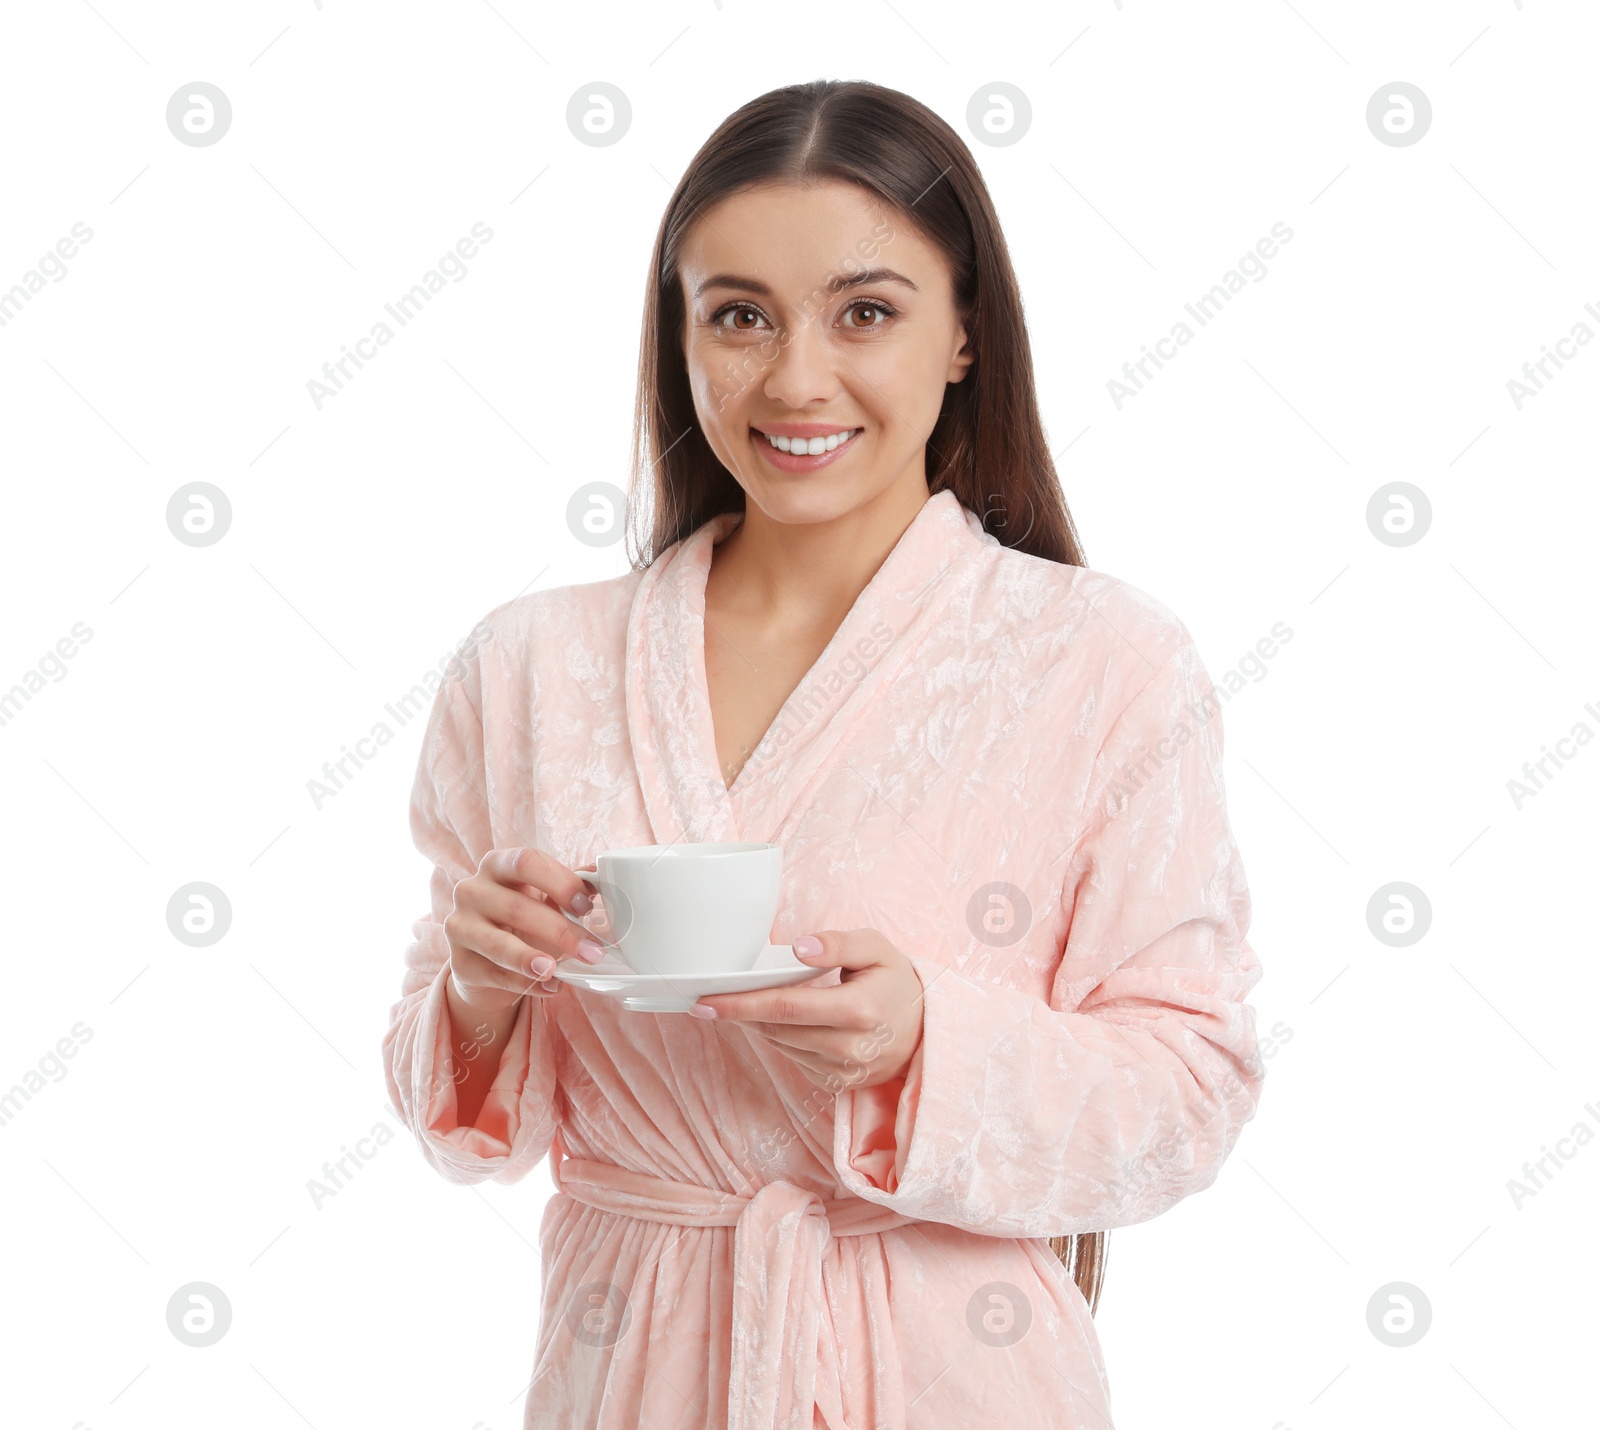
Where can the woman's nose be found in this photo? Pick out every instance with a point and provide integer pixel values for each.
(802, 371)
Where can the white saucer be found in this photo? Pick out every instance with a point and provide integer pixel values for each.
(676, 992)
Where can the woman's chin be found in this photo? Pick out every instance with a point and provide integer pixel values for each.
(808, 501)
(802, 503)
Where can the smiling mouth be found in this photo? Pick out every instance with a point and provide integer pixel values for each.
(811, 446)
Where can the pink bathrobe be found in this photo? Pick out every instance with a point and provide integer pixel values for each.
(1010, 768)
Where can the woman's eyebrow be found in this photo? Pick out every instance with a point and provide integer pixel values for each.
(836, 284)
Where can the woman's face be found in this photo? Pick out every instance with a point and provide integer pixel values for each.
(783, 338)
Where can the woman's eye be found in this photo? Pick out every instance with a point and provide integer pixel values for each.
(739, 312)
(735, 310)
(882, 310)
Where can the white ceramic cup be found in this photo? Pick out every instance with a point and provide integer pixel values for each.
(687, 908)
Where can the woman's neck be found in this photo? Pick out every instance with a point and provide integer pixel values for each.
(808, 573)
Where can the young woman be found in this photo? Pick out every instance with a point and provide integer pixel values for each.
(997, 779)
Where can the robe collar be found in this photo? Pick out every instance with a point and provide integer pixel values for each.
(668, 699)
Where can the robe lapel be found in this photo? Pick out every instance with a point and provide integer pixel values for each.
(668, 699)
(669, 705)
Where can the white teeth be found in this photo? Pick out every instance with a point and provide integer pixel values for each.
(811, 446)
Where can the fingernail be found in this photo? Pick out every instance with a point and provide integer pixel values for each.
(807, 946)
(542, 967)
(581, 903)
(701, 1010)
(591, 950)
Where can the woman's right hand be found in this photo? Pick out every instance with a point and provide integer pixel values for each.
(507, 932)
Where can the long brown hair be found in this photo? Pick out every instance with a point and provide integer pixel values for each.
(988, 444)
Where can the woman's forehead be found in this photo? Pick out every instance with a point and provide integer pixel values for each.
(794, 238)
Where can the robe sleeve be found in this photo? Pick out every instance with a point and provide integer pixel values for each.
(1127, 1089)
(450, 825)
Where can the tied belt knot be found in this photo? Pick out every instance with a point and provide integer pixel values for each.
(779, 1377)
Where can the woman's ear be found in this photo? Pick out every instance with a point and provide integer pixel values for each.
(963, 358)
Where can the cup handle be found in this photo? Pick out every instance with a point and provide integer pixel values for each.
(578, 923)
(584, 928)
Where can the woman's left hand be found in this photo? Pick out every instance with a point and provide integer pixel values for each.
(859, 1034)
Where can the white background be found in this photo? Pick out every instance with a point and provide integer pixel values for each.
(369, 536)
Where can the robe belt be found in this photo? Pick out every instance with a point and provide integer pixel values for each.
(781, 1234)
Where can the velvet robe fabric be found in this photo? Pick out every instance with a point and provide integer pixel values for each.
(1009, 767)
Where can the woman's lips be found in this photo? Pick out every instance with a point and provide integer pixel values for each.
(792, 462)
